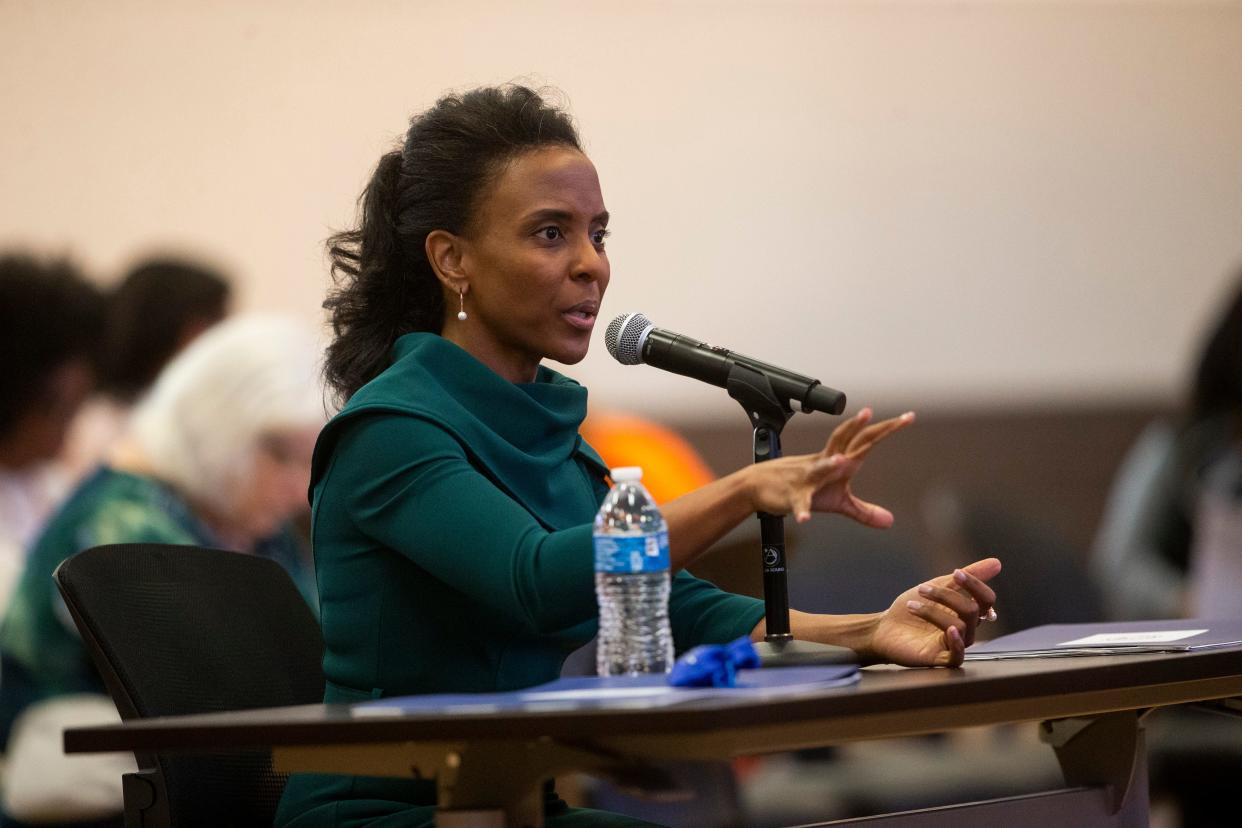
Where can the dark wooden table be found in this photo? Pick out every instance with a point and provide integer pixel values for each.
(489, 765)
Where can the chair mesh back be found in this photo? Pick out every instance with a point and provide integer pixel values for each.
(177, 630)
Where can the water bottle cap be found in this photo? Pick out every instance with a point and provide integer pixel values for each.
(622, 474)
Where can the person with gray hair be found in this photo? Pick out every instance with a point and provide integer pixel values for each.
(218, 454)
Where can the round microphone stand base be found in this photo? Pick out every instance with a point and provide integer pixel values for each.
(794, 653)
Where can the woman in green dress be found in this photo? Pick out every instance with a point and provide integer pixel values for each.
(452, 495)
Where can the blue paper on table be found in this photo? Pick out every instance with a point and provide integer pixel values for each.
(1112, 638)
(616, 693)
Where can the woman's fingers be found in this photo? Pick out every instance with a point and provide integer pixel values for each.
(830, 474)
(955, 649)
(984, 570)
(844, 433)
(954, 641)
(825, 470)
(972, 578)
(961, 604)
(802, 506)
(855, 437)
(983, 594)
(936, 614)
(853, 425)
(868, 514)
(965, 595)
(866, 439)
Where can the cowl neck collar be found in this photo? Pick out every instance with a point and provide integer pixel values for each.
(522, 435)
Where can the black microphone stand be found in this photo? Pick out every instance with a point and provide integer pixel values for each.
(768, 414)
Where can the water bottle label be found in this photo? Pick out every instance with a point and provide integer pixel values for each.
(627, 555)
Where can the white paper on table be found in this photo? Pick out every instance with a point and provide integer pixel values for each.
(1127, 638)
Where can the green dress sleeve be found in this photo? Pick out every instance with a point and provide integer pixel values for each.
(702, 613)
(429, 503)
(409, 486)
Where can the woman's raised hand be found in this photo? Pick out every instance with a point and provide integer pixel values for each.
(821, 482)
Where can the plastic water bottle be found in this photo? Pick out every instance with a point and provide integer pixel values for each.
(631, 580)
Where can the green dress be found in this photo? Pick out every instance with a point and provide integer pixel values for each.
(452, 537)
(41, 653)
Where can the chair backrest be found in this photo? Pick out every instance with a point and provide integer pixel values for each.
(179, 629)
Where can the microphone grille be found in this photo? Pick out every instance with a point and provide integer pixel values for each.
(624, 337)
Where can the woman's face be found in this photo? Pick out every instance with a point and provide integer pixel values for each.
(281, 476)
(534, 262)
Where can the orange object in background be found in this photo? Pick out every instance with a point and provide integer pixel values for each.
(671, 466)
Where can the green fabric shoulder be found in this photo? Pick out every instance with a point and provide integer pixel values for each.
(109, 507)
(523, 435)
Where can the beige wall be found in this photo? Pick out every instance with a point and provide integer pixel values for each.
(922, 203)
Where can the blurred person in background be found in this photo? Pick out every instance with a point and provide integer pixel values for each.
(218, 454)
(160, 306)
(51, 323)
(1175, 491)
(1170, 546)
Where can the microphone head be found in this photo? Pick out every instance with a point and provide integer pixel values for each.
(625, 337)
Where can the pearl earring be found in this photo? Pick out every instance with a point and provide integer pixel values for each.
(461, 314)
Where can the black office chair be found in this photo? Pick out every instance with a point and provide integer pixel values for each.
(177, 630)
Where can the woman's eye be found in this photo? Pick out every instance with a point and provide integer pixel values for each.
(549, 233)
(599, 236)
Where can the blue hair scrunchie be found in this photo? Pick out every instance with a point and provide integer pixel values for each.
(714, 665)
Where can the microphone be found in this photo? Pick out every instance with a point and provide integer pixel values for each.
(631, 339)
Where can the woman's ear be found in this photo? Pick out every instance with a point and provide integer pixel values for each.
(445, 252)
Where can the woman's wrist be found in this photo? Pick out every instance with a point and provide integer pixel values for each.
(853, 631)
(748, 483)
(701, 517)
(737, 494)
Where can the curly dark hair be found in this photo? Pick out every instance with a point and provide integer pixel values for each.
(151, 313)
(384, 286)
(49, 315)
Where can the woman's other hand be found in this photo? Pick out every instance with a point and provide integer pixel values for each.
(933, 624)
(821, 482)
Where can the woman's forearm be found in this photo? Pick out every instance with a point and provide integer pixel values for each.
(852, 631)
(797, 485)
(698, 519)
